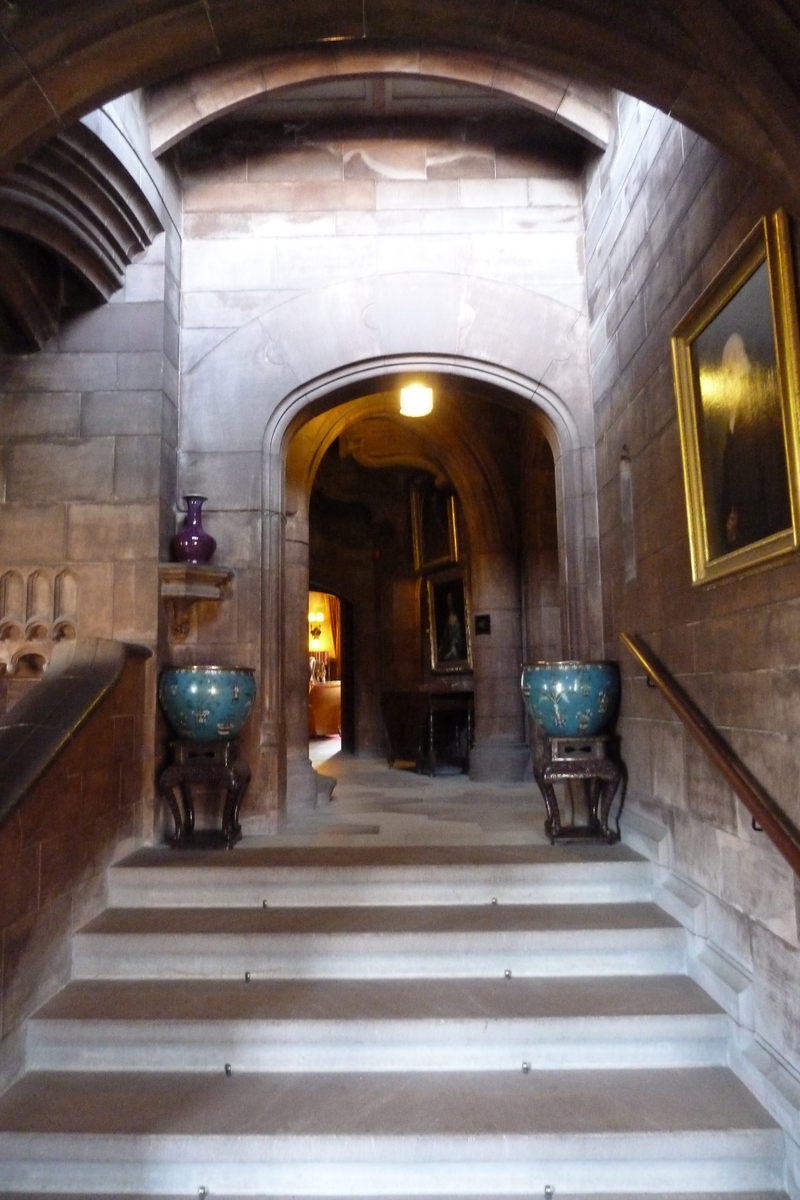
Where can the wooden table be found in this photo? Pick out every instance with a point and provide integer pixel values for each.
(431, 728)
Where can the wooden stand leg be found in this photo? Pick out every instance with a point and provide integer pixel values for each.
(552, 825)
(239, 778)
(169, 781)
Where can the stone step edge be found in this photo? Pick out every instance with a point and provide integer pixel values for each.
(760, 1195)
(115, 957)
(729, 1161)
(316, 886)
(428, 1045)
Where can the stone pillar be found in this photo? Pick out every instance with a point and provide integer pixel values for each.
(301, 779)
(271, 775)
(499, 752)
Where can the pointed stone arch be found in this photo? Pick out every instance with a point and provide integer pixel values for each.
(575, 485)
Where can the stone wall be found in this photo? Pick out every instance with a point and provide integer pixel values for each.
(89, 428)
(664, 210)
(542, 610)
(299, 263)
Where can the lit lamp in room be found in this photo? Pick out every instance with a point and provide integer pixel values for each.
(316, 622)
(320, 644)
(416, 400)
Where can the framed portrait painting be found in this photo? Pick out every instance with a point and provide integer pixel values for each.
(433, 525)
(449, 622)
(736, 360)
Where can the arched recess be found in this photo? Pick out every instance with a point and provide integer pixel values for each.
(449, 445)
(343, 396)
(179, 107)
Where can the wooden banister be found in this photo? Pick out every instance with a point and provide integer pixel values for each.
(769, 815)
(34, 732)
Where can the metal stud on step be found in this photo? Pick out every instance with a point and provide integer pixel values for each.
(526, 1066)
(228, 1069)
(264, 904)
(494, 899)
(549, 1192)
(507, 973)
(202, 1192)
(247, 976)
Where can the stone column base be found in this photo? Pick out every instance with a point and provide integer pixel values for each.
(498, 762)
(305, 787)
(301, 784)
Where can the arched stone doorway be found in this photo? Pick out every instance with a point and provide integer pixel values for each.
(364, 395)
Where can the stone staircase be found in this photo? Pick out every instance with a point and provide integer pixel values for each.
(482, 1021)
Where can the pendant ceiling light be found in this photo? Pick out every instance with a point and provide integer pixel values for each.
(416, 400)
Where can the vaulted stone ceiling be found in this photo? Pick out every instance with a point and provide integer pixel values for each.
(728, 68)
(71, 220)
(247, 111)
(513, 69)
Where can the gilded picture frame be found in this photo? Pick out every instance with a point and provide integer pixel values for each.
(449, 622)
(434, 526)
(736, 362)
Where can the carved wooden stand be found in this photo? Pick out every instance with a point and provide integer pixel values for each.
(214, 764)
(596, 763)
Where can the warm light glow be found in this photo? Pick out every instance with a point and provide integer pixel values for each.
(416, 400)
(320, 624)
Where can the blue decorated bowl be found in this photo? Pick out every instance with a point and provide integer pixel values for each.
(205, 703)
(572, 699)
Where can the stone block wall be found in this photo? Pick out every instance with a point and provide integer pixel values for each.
(664, 210)
(89, 429)
(299, 263)
(296, 263)
(55, 847)
(543, 633)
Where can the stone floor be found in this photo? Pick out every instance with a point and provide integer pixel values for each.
(372, 803)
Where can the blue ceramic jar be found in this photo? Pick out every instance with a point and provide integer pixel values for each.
(206, 703)
(572, 699)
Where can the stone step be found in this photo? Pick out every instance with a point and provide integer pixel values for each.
(417, 1025)
(380, 942)
(346, 876)
(395, 1134)
(761, 1195)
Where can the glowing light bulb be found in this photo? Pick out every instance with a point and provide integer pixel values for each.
(416, 400)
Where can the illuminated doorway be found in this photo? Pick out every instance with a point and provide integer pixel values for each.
(324, 676)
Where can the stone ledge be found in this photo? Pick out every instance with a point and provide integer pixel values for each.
(185, 581)
(182, 585)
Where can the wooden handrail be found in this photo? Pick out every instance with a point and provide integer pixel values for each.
(34, 732)
(772, 819)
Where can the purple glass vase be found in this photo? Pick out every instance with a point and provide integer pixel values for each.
(191, 543)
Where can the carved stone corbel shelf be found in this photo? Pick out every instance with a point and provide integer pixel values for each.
(182, 585)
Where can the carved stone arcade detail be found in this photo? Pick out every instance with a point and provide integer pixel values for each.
(38, 609)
